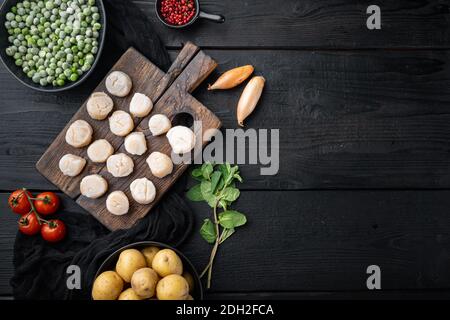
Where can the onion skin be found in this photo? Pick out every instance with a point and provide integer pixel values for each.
(249, 98)
(232, 78)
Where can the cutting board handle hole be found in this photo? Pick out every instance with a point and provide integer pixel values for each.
(183, 119)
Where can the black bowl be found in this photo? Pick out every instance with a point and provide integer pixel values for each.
(110, 263)
(17, 71)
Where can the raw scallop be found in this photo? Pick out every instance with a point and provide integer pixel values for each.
(120, 165)
(117, 203)
(71, 165)
(93, 186)
(159, 124)
(79, 134)
(143, 191)
(118, 83)
(160, 164)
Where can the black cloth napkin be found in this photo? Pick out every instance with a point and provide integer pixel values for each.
(40, 267)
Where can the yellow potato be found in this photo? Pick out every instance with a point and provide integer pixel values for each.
(107, 286)
(167, 262)
(144, 282)
(190, 280)
(129, 261)
(172, 287)
(149, 253)
(129, 294)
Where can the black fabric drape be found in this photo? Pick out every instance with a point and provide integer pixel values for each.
(40, 267)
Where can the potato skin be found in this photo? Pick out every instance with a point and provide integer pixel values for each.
(144, 282)
(149, 253)
(167, 262)
(190, 280)
(129, 294)
(107, 286)
(172, 287)
(129, 261)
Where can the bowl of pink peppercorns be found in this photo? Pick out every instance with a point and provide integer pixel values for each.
(182, 13)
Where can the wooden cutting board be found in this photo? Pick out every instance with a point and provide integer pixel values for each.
(170, 93)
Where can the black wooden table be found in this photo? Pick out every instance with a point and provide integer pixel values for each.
(364, 119)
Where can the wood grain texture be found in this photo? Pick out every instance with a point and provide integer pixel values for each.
(324, 24)
(175, 100)
(314, 241)
(347, 119)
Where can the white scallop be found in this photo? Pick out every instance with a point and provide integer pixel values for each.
(135, 143)
(93, 186)
(100, 150)
(117, 203)
(121, 123)
(120, 165)
(159, 124)
(79, 134)
(140, 105)
(99, 105)
(118, 83)
(160, 164)
(71, 165)
(143, 191)
(181, 139)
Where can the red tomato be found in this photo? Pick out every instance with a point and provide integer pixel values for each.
(53, 231)
(19, 203)
(46, 203)
(29, 224)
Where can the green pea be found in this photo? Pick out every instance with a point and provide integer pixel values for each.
(9, 51)
(10, 16)
(19, 62)
(73, 77)
(43, 82)
(36, 78)
(60, 82)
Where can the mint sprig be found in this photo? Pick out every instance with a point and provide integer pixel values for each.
(217, 187)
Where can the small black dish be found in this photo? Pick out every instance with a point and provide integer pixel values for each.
(110, 263)
(198, 14)
(17, 71)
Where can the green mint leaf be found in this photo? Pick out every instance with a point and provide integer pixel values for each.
(230, 194)
(215, 178)
(208, 231)
(197, 172)
(223, 204)
(195, 193)
(231, 219)
(226, 233)
(207, 169)
(238, 177)
(205, 188)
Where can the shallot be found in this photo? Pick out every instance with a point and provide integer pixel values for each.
(232, 78)
(249, 98)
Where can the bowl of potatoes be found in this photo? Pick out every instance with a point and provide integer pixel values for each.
(147, 270)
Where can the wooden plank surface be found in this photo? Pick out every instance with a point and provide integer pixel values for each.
(314, 241)
(325, 24)
(347, 119)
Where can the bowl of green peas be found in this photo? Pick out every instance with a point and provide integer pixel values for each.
(51, 45)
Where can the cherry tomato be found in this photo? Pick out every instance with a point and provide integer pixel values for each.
(29, 224)
(46, 203)
(19, 203)
(53, 231)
